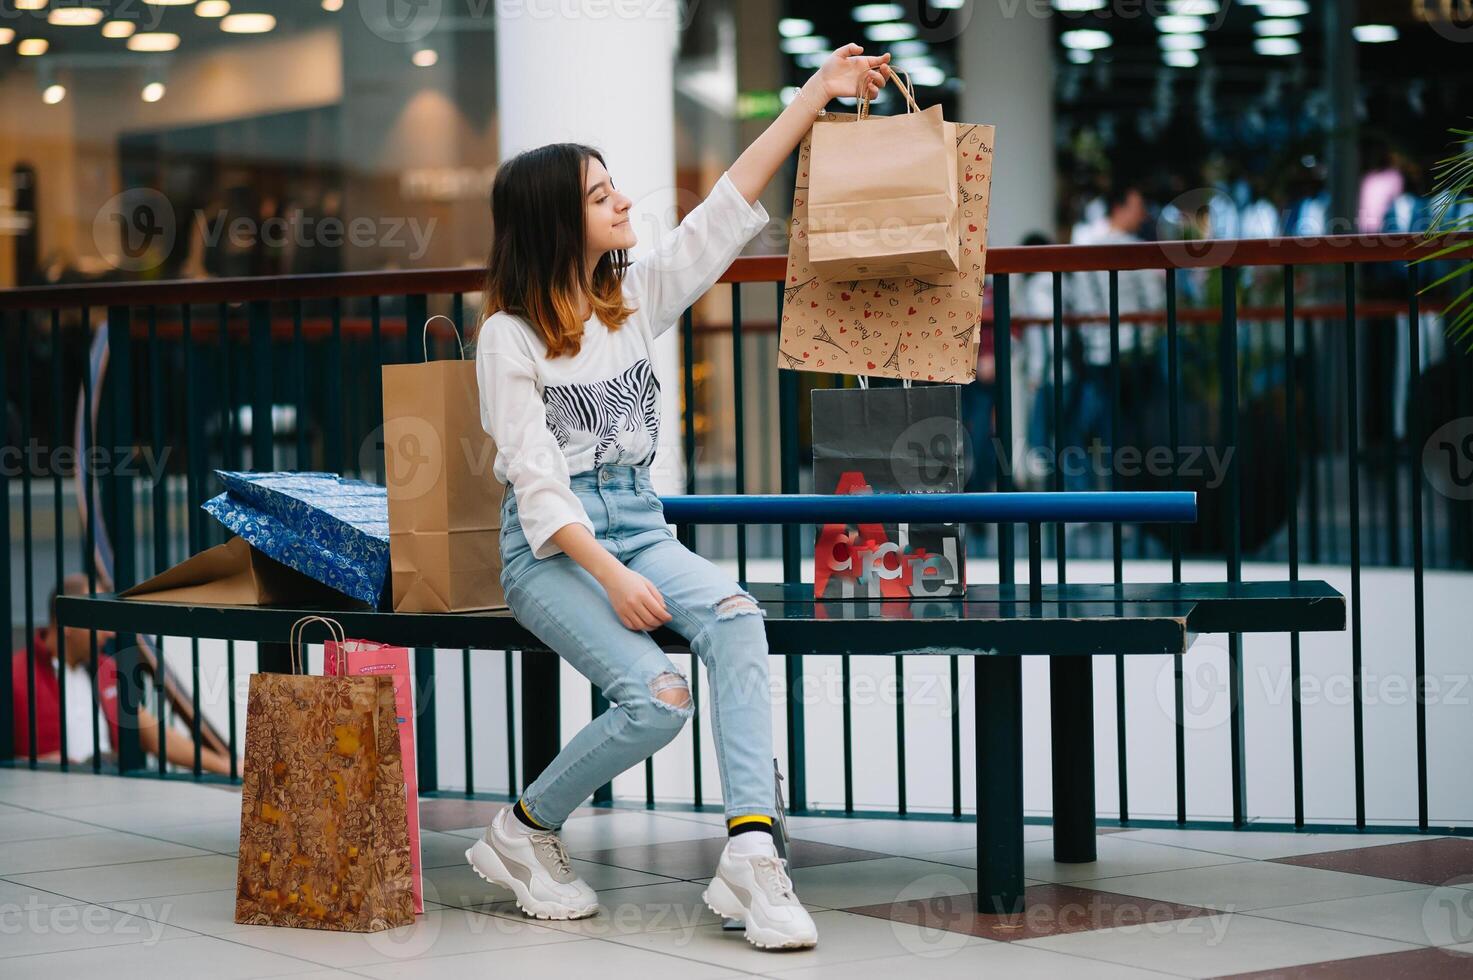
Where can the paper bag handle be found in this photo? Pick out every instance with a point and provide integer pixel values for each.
(299, 633)
(863, 380)
(906, 89)
(425, 336)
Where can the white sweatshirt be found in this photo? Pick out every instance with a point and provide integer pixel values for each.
(553, 417)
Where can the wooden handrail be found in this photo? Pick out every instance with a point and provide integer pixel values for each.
(1206, 254)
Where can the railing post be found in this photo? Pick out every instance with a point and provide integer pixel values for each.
(126, 659)
(7, 693)
(1228, 357)
(426, 745)
(541, 712)
(787, 421)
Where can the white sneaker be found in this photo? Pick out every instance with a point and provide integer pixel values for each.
(535, 866)
(757, 890)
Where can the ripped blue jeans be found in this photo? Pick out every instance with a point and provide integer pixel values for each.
(565, 607)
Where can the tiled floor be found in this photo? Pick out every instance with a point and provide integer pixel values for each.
(136, 878)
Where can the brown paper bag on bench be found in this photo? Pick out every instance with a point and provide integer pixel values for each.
(444, 501)
(234, 574)
(882, 198)
(916, 328)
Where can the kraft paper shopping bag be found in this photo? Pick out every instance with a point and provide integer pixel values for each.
(444, 501)
(923, 328)
(882, 198)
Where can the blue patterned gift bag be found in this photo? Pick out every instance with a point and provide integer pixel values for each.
(333, 530)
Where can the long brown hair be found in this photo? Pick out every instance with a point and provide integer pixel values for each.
(537, 268)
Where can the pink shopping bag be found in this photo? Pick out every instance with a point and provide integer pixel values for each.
(365, 657)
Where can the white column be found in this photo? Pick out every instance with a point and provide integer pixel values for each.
(1006, 58)
(601, 72)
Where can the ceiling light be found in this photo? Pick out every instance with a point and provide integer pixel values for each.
(332, 5)
(247, 23)
(153, 41)
(1276, 46)
(1276, 27)
(53, 94)
(892, 31)
(74, 16)
(948, 4)
(425, 57)
(803, 45)
(30, 4)
(1180, 24)
(1181, 42)
(153, 91)
(1180, 59)
(119, 28)
(918, 61)
(927, 75)
(169, 3)
(212, 8)
(871, 13)
(910, 49)
(32, 46)
(1283, 8)
(7, 34)
(1078, 6)
(1086, 40)
(1374, 33)
(794, 27)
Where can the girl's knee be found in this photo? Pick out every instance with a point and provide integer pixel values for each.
(667, 706)
(737, 604)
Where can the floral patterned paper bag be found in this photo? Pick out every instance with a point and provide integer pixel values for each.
(324, 838)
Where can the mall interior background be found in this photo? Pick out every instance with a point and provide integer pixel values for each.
(350, 142)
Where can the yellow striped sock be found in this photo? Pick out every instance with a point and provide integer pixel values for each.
(733, 823)
(521, 811)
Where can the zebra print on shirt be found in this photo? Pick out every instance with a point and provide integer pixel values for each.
(615, 412)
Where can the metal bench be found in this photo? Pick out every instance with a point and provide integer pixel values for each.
(996, 624)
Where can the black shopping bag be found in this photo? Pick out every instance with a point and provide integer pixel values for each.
(889, 440)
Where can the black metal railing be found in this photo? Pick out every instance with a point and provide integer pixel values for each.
(283, 373)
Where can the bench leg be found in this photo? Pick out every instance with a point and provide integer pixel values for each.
(541, 718)
(274, 658)
(1071, 692)
(999, 728)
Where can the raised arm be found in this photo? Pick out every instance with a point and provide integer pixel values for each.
(839, 76)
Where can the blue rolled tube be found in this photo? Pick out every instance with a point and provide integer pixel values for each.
(1136, 507)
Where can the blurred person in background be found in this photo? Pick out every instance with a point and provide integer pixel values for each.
(1086, 415)
(78, 679)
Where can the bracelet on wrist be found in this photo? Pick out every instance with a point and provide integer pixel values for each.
(818, 110)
